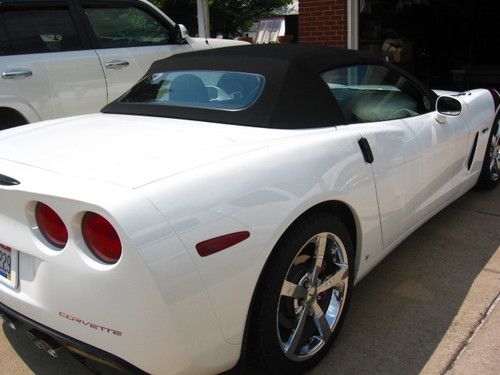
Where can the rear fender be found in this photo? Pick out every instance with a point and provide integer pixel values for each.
(152, 295)
(264, 192)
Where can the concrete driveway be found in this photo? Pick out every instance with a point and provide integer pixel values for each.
(428, 308)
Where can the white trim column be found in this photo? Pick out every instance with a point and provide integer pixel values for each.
(203, 19)
(353, 24)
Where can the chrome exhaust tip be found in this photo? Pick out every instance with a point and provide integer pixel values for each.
(8, 321)
(44, 342)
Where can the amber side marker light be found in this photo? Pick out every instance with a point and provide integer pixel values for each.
(217, 244)
(51, 226)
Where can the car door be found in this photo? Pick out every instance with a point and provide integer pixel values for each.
(414, 156)
(47, 66)
(443, 148)
(129, 36)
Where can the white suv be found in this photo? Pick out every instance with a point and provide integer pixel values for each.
(71, 57)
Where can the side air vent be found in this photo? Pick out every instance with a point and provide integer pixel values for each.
(8, 181)
(473, 151)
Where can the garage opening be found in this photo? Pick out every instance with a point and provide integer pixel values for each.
(448, 44)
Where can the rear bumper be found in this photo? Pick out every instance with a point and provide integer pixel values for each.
(69, 343)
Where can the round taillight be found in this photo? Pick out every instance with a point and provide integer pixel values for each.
(51, 226)
(101, 238)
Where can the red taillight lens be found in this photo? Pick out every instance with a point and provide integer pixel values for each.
(50, 225)
(101, 238)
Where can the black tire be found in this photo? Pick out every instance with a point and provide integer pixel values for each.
(489, 179)
(265, 341)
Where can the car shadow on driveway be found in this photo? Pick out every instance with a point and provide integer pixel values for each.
(401, 311)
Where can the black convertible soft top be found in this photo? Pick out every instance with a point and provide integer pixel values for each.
(294, 96)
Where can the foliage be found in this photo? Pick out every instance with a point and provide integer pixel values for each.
(227, 17)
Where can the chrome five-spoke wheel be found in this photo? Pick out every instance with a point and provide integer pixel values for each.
(312, 296)
(303, 294)
(494, 152)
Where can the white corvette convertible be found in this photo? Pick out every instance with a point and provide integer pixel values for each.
(228, 202)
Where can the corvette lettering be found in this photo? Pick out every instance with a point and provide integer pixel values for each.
(90, 324)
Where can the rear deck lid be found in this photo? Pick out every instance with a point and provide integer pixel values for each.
(130, 151)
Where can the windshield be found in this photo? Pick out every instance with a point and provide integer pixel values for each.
(220, 90)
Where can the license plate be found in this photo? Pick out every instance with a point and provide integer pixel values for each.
(8, 266)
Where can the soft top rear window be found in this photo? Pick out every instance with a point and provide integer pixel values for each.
(207, 89)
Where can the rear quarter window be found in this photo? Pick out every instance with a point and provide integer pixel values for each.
(219, 90)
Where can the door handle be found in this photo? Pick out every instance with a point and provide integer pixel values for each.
(16, 74)
(117, 64)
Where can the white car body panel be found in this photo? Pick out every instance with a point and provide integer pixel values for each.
(179, 192)
(207, 43)
(62, 84)
(335, 171)
(110, 148)
(423, 176)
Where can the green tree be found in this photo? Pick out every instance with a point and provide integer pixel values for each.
(227, 17)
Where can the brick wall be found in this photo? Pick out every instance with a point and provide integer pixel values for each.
(323, 22)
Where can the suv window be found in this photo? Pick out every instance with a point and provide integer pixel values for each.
(41, 30)
(370, 93)
(126, 27)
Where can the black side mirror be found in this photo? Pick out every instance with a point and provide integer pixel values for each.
(447, 106)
